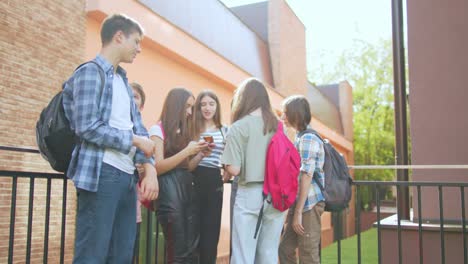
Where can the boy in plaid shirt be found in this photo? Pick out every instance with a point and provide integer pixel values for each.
(112, 139)
(303, 227)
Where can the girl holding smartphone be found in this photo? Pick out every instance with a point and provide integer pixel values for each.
(207, 176)
(176, 155)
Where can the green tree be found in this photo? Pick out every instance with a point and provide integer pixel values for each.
(369, 70)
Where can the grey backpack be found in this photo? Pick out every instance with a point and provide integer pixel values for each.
(337, 189)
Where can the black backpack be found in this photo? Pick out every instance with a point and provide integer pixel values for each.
(337, 189)
(54, 136)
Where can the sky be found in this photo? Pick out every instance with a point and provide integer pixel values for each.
(332, 26)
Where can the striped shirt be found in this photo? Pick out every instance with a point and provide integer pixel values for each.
(310, 149)
(213, 161)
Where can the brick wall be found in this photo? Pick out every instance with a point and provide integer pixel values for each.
(286, 40)
(41, 42)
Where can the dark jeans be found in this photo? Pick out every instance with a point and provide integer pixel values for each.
(177, 214)
(209, 188)
(105, 221)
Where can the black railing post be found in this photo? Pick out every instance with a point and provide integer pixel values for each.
(149, 236)
(339, 235)
(463, 223)
(357, 210)
(379, 236)
(11, 243)
(399, 226)
(156, 246)
(47, 222)
(165, 253)
(30, 218)
(64, 221)
(401, 134)
(136, 250)
(156, 255)
(421, 251)
(441, 218)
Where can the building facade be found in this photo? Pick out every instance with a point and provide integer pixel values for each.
(193, 44)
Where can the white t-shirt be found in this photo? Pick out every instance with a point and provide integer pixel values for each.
(156, 130)
(120, 118)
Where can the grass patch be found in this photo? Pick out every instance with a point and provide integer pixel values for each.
(369, 253)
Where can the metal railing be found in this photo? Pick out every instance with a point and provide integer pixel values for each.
(418, 188)
(151, 231)
(32, 176)
(153, 247)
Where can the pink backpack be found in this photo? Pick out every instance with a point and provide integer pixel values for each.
(281, 173)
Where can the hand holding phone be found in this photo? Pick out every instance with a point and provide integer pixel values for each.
(208, 139)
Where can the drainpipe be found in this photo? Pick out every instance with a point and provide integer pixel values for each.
(400, 105)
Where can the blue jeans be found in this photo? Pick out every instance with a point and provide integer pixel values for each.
(105, 221)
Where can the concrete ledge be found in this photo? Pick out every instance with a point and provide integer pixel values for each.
(435, 248)
(391, 222)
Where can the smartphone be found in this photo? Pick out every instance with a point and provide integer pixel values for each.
(208, 139)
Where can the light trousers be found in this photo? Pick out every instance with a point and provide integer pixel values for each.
(246, 249)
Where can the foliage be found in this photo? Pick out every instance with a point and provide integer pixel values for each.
(369, 70)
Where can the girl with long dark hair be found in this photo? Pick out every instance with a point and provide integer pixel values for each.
(176, 155)
(207, 176)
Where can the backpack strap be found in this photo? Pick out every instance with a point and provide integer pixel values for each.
(280, 127)
(315, 176)
(311, 131)
(101, 71)
(221, 129)
(260, 216)
(101, 74)
(103, 80)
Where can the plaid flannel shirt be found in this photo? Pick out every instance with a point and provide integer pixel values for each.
(310, 149)
(89, 109)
